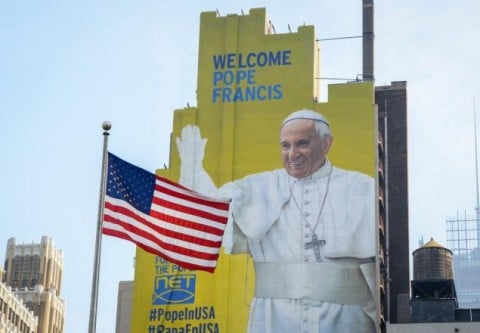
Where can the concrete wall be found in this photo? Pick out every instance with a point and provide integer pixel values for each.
(434, 328)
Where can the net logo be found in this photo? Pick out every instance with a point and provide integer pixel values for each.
(174, 289)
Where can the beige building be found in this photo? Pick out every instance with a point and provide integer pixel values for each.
(124, 306)
(28, 265)
(15, 316)
(34, 272)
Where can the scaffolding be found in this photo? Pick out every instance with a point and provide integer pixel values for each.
(463, 240)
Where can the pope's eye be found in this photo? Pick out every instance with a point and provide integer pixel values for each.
(303, 143)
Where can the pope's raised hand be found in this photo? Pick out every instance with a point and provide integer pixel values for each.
(191, 150)
(191, 146)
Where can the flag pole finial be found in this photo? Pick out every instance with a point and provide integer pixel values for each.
(106, 125)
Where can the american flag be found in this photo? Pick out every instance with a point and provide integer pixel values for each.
(162, 217)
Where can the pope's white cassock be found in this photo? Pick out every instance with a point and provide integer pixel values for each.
(313, 243)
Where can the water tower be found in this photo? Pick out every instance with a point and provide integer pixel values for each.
(433, 290)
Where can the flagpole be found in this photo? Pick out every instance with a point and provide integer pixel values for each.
(92, 323)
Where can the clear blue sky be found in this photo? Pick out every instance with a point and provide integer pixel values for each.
(66, 66)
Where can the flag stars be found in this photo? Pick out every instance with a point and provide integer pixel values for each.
(130, 183)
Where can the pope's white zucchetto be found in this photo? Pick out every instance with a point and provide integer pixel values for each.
(306, 114)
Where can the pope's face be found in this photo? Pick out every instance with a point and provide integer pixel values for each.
(303, 151)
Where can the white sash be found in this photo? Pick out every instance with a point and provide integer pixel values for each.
(327, 282)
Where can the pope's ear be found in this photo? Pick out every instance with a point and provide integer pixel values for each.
(328, 141)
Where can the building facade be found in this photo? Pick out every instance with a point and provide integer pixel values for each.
(28, 265)
(15, 316)
(34, 272)
(463, 240)
(391, 101)
(124, 307)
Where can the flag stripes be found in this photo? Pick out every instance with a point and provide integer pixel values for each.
(163, 200)
(125, 216)
(179, 191)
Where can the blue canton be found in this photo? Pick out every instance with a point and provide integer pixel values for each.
(128, 182)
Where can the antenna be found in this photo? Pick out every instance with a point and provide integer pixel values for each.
(420, 241)
(271, 27)
(477, 207)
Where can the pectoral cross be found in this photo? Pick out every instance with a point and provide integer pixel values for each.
(316, 244)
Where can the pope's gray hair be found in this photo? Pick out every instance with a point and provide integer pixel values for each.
(322, 129)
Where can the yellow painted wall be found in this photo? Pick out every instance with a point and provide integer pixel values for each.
(242, 135)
